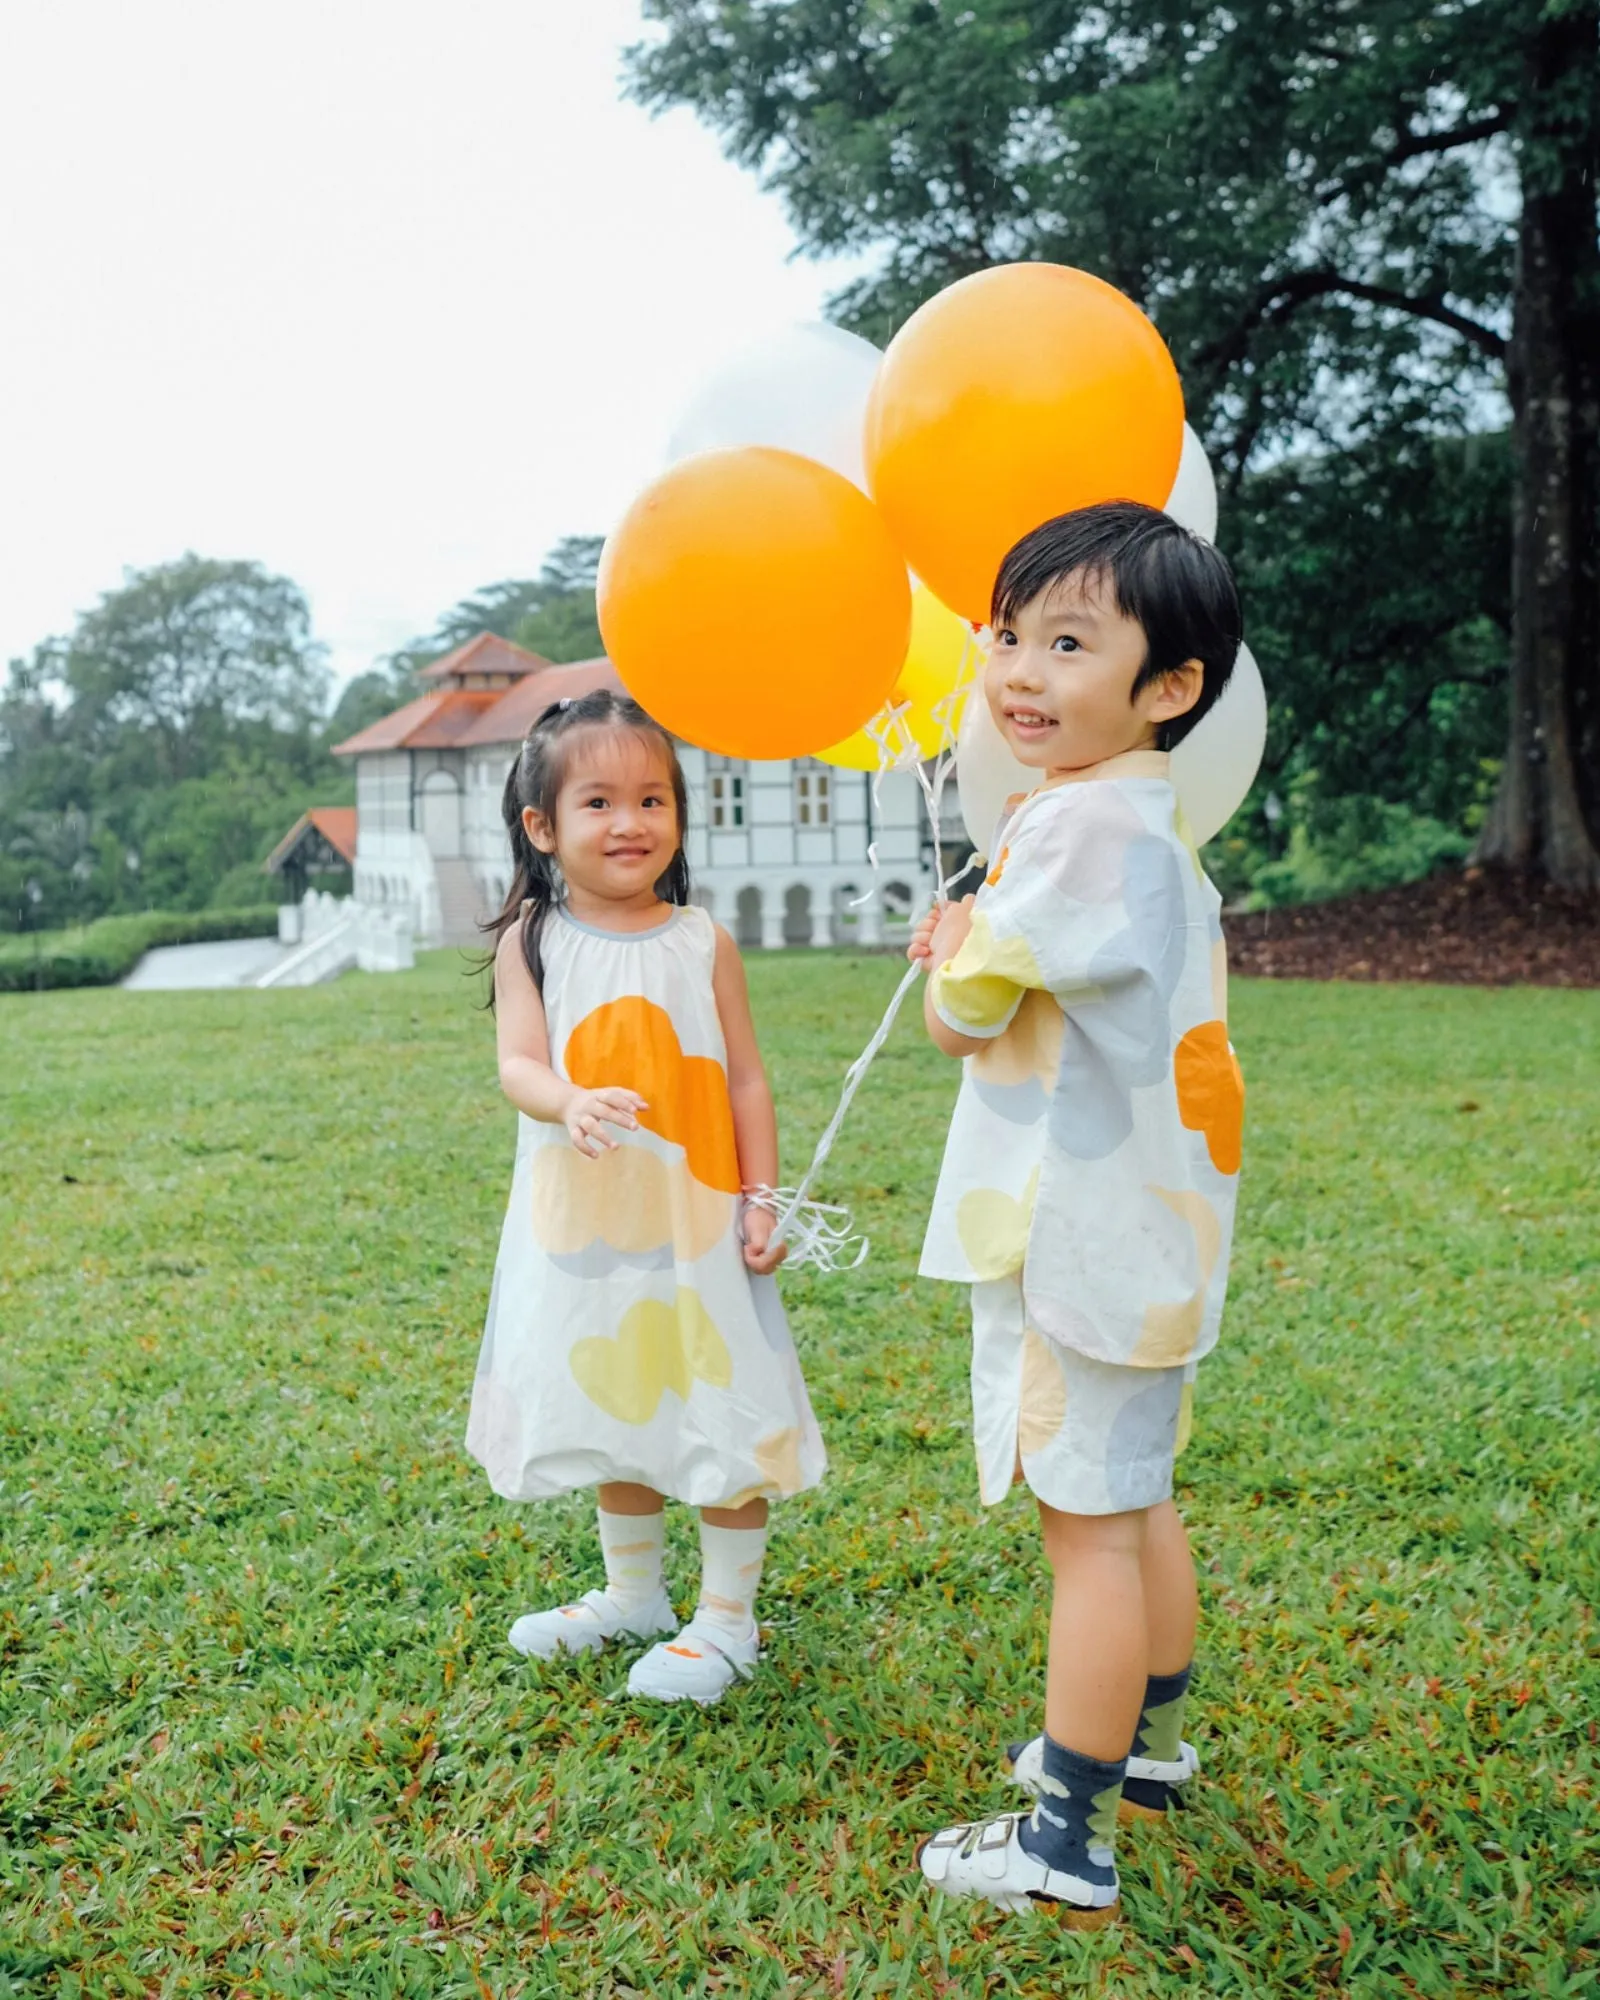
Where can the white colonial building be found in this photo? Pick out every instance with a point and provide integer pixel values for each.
(778, 851)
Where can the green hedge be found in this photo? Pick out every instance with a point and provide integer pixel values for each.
(107, 950)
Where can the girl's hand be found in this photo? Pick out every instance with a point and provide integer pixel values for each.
(950, 931)
(590, 1111)
(922, 936)
(759, 1224)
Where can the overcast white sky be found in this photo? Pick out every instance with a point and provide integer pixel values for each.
(388, 296)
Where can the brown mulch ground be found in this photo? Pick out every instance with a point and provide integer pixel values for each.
(1482, 928)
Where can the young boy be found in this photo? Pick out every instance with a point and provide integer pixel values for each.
(1088, 1184)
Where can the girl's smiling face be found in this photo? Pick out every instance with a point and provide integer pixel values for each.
(616, 829)
(1061, 674)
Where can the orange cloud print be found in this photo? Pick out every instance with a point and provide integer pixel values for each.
(632, 1044)
(630, 1199)
(1211, 1093)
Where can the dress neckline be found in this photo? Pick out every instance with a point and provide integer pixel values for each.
(622, 937)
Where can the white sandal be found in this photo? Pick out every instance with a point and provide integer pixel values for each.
(986, 1859)
(1026, 1764)
(588, 1625)
(700, 1664)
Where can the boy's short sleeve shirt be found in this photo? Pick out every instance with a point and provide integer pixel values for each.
(1095, 1142)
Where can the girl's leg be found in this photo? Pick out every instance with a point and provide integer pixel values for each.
(733, 1551)
(720, 1643)
(633, 1603)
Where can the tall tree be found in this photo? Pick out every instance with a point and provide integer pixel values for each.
(185, 653)
(1345, 217)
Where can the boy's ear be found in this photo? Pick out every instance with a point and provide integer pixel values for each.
(1175, 693)
(539, 830)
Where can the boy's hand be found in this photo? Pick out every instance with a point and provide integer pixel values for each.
(590, 1111)
(759, 1224)
(922, 936)
(950, 932)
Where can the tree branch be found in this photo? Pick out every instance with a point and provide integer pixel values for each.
(1411, 145)
(1281, 299)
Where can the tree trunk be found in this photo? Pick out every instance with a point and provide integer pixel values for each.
(1546, 817)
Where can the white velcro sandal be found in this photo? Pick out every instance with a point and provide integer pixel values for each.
(986, 1860)
(588, 1625)
(1026, 1762)
(700, 1664)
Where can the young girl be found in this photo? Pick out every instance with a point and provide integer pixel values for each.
(635, 1341)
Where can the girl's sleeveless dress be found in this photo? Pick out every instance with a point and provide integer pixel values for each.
(625, 1338)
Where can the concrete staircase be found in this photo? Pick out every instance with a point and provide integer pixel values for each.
(460, 906)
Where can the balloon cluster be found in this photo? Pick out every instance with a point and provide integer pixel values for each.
(807, 576)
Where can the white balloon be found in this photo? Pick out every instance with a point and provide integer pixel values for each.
(803, 389)
(1193, 500)
(1213, 767)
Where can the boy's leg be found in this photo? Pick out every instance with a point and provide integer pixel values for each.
(1161, 1760)
(1063, 1853)
(1171, 1598)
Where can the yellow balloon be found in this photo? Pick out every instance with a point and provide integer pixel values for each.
(939, 642)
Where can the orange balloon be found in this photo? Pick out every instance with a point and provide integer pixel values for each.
(1011, 397)
(754, 603)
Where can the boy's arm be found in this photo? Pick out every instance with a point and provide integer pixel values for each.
(755, 1121)
(950, 933)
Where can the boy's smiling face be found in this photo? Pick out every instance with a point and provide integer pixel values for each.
(1061, 674)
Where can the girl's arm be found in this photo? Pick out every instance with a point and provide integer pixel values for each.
(755, 1122)
(522, 1038)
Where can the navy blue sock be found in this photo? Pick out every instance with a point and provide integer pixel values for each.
(1073, 1828)
(1159, 1737)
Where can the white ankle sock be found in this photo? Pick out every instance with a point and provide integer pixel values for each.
(730, 1576)
(632, 1545)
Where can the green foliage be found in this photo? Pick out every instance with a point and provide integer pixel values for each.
(259, 1728)
(552, 614)
(106, 951)
(1316, 202)
(166, 745)
(183, 654)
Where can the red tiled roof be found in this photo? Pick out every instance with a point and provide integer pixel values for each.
(487, 654)
(510, 718)
(435, 721)
(336, 824)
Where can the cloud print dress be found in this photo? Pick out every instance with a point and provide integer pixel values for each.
(625, 1338)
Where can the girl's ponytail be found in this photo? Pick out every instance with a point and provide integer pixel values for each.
(535, 887)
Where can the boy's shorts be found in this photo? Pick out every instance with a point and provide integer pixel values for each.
(1093, 1437)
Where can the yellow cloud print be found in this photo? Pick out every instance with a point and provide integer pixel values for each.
(659, 1346)
(631, 1199)
(993, 1228)
(1170, 1331)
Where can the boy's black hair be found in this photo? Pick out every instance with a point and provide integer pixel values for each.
(1166, 578)
(536, 778)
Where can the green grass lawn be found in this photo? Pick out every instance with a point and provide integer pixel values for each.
(259, 1729)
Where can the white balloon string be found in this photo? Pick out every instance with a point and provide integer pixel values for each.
(821, 1234)
(818, 1233)
(794, 1214)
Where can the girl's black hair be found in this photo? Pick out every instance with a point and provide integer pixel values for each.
(1165, 577)
(536, 778)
